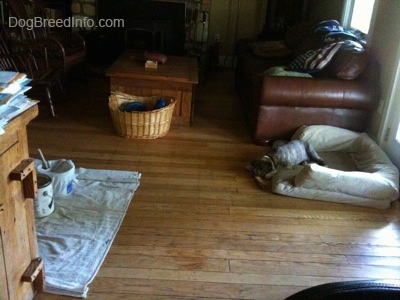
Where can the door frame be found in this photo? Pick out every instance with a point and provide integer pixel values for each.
(391, 121)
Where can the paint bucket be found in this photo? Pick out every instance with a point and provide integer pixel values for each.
(62, 172)
(44, 202)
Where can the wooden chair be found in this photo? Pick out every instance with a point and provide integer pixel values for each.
(64, 47)
(34, 62)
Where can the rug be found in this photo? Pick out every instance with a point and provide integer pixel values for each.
(74, 240)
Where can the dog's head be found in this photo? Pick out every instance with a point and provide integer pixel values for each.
(263, 167)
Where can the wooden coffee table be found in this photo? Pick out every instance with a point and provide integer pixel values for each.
(177, 78)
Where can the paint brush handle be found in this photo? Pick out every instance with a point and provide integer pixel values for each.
(45, 164)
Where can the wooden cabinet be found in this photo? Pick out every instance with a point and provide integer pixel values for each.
(176, 78)
(21, 269)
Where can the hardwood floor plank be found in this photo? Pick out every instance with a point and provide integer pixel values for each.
(374, 260)
(313, 269)
(268, 246)
(144, 297)
(193, 289)
(181, 262)
(229, 254)
(217, 277)
(269, 225)
(311, 215)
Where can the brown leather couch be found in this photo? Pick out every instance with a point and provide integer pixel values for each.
(342, 95)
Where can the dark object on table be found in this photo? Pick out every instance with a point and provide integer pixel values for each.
(154, 56)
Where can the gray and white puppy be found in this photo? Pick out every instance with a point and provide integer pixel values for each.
(287, 154)
(294, 153)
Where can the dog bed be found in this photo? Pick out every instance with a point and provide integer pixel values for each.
(358, 172)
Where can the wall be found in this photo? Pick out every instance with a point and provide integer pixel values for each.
(326, 10)
(223, 25)
(223, 14)
(385, 46)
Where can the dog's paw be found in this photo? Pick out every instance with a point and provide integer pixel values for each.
(320, 162)
(261, 182)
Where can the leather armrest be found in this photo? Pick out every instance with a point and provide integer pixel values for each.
(318, 92)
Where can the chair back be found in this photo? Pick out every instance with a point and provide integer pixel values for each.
(31, 59)
(64, 49)
(31, 12)
(7, 61)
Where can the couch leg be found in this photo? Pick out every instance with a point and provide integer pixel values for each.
(263, 142)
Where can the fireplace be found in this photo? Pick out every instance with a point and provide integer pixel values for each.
(148, 25)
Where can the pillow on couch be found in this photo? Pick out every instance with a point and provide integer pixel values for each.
(280, 71)
(348, 65)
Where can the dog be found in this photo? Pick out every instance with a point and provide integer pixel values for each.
(285, 154)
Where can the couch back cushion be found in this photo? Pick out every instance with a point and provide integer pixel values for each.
(348, 65)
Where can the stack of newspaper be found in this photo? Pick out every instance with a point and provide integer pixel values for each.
(13, 101)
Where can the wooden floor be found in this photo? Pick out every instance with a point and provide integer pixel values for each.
(198, 226)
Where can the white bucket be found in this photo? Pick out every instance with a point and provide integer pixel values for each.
(44, 202)
(62, 173)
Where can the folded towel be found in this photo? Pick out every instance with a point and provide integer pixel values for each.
(74, 240)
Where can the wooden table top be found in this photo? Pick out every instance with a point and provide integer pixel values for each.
(177, 68)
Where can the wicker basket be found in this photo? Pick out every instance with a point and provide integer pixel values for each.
(149, 124)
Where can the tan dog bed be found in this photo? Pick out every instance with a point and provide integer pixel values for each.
(358, 172)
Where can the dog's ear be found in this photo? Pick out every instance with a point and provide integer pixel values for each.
(267, 158)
